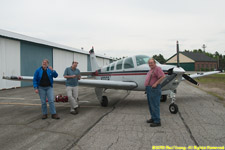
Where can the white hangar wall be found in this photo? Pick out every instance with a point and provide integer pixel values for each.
(9, 61)
(61, 60)
(82, 61)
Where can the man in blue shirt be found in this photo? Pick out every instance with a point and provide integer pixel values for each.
(72, 74)
(43, 84)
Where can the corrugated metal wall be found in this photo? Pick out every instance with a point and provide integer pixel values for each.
(61, 60)
(23, 58)
(100, 61)
(82, 61)
(32, 56)
(9, 61)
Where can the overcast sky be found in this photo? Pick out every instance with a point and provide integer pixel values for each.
(120, 27)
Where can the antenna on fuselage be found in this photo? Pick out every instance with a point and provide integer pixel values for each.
(178, 59)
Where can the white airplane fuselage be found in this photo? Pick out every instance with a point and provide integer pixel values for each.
(136, 72)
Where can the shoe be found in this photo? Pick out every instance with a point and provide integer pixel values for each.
(155, 124)
(44, 117)
(55, 116)
(73, 112)
(150, 121)
(76, 110)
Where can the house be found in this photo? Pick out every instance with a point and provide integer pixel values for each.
(194, 61)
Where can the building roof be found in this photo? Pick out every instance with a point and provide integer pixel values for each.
(16, 36)
(198, 57)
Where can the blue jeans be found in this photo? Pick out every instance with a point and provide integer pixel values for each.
(43, 93)
(153, 96)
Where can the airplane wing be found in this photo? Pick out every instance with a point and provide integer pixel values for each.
(202, 74)
(90, 83)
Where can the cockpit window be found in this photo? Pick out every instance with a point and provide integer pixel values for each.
(128, 63)
(107, 69)
(119, 65)
(142, 59)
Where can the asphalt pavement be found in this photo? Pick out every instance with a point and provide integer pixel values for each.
(122, 125)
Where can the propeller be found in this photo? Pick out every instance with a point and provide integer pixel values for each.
(187, 77)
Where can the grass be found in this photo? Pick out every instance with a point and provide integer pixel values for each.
(213, 85)
(212, 78)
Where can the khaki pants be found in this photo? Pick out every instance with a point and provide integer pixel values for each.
(72, 93)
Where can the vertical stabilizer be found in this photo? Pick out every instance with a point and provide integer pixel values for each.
(93, 60)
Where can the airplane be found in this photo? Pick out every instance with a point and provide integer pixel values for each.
(129, 74)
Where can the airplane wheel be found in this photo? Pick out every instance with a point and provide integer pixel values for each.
(105, 101)
(173, 108)
(163, 98)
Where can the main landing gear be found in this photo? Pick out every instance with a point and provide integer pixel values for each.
(102, 98)
(104, 101)
(163, 98)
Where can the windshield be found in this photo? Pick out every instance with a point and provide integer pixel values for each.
(143, 59)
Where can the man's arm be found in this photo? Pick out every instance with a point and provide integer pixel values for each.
(65, 75)
(161, 76)
(72, 76)
(158, 81)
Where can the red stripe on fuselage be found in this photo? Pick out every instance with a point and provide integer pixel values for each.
(124, 74)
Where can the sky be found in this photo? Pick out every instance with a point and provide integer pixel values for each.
(120, 28)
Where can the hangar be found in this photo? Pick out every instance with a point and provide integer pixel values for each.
(22, 55)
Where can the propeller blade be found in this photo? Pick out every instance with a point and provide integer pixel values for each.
(190, 79)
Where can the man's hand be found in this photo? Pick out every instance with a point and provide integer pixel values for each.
(154, 85)
(36, 91)
(73, 76)
(79, 77)
(50, 68)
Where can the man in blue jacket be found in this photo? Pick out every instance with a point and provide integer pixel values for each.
(43, 84)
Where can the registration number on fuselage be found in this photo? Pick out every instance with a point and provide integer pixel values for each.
(105, 78)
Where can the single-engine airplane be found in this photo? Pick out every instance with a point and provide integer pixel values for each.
(129, 74)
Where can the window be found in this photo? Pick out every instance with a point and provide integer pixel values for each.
(112, 67)
(128, 63)
(119, 65)
(199, 67)
(141, 59)
(107, 68)
(202, 65)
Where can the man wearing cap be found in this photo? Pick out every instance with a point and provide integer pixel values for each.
(72, 75)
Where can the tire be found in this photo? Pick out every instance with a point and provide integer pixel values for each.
(104, 101)
(173, 108)
(163, 98)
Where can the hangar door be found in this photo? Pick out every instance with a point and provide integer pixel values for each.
(31, 58)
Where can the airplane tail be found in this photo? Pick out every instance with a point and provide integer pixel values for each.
(93, 60)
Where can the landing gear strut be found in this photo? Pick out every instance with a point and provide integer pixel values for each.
(173, 108)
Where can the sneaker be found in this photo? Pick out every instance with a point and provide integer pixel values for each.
(73, 112)
(44, 117)
(76, 110)
(55, 116)
(155, 124)
(150, 121)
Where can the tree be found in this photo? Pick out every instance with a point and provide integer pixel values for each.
(159, 58)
